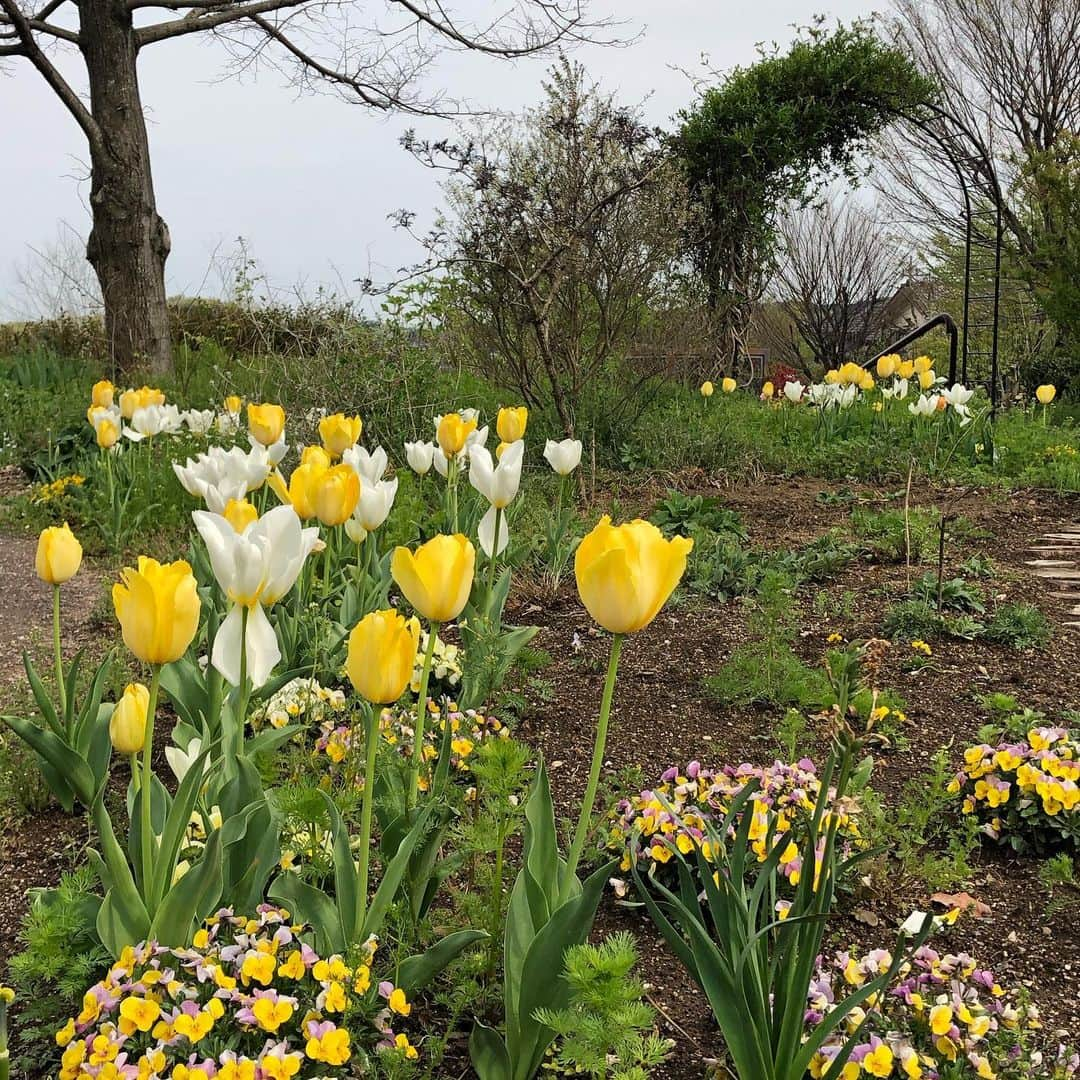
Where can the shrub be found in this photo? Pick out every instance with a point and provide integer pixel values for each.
(1025, 792)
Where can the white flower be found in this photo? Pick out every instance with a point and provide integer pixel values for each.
(199, 421)
(476, 437)
(486, 533)
(255, 569)
(373, 507)
(227, 423)
(442, 466)
(153, 420)
(564, 457)
(420, 456)
(370, 467)
(927, 405)
(793, 390)
(498, 483)
(273, 453)
(220, 475)
(180, 761)
(899, 389)
(847, 396)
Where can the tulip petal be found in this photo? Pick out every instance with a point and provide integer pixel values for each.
(486, 533)
(262, 647)
(225, 655)
(406, 573)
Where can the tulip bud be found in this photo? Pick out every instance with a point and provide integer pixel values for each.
(767, 391)
(338, 432)
(317, 456)
(239, 513)
(707, 389)
(127, 725)
(438, 577)
(420, 456)
(886, 366)
(564, 457)
(335, 493)
(266, 423)
(728, 385)
(453, 433)
(233, 404)
(927, 378)
(511, 423)
(158, 609)
(107, 434)
(905, 369)
(626, 573)
(867, 381)
(102, 394)
(1046, 393)
(382, 654)
(923, 363)
(59, 555)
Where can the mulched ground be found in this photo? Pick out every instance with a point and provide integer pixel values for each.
(662, 717)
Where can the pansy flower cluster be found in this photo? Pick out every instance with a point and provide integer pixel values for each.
(446, 662)
(248, 1001)
(944, 1018)
(1025, 791)
(671, 817)
(396, 725)
(299, 701)
(55, 489)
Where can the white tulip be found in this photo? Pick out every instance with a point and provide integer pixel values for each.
(180, 761)
(255, 569)
(420, 456)
(153, 420)
(958, 396)
(498, 483)
(899, 389)
(227, 423)
(274, 453)
(564, 457)
(198, 421)
(220, 475)
(355, 531)
(370, 467)
(476, 437)
(847, 396)
(925, 406)
(486, 533)
(373, 508)
(793, 391)
(442, 465)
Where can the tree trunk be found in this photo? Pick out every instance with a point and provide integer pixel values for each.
(129, 241)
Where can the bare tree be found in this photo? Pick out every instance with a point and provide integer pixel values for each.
(1008, 77)
(838, 272)
(335, 45)
(560, 236)
(54, 279)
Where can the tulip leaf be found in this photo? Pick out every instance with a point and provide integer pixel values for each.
(392, 877)
(68, 765)
(415, 972)
(175, 827)
(488, 1055)
(118, 926)
(41, 696)
(192, 898)
(270, 739)
(345, 883)
(310, 905)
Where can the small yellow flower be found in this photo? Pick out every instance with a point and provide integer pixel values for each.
(397, 1002)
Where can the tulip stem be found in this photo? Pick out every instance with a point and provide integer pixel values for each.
(493, 562)
(371, 747)
(421, 717)
(584, 820)
(239, 721)
(147, 787)
(60, 688)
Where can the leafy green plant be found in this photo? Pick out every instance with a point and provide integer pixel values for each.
(606, 1029)
(1020, 626)
(1057, 875)
(954, 593)
(679, 515)
(887, 535)
(917, 620)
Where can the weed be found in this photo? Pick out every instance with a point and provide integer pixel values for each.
(1020, 626)
(679, 514)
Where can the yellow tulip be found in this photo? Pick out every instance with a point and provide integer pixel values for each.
(59, 555)
(923, 363)
(107, 433)
(626, 573)
(265, 422)
(728, 385)
(905, 369)
(707, 389)
(338, 432)
(867, 381)
(233, 404)
(158, 608)
(511, 424)
(130, 400)
(382, 654)
(127, 725)
(334, 494)
(102, 394)
(300, 490)
(317, 456)
(1046, 394)
(767, 391)
(927, 378)
(832, 376)
(239, 513)
(453, 433)
(438, 577)
(886, 366)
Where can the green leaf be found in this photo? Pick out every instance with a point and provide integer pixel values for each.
(488, 1055)
(415, 972)
(41, 696)
(191, 899)
(392, 877)
(345, 883)
(71, 768)
(310, 905)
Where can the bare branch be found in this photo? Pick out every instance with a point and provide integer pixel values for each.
(194, 23)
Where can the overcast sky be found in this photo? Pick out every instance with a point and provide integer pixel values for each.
(308, 182)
